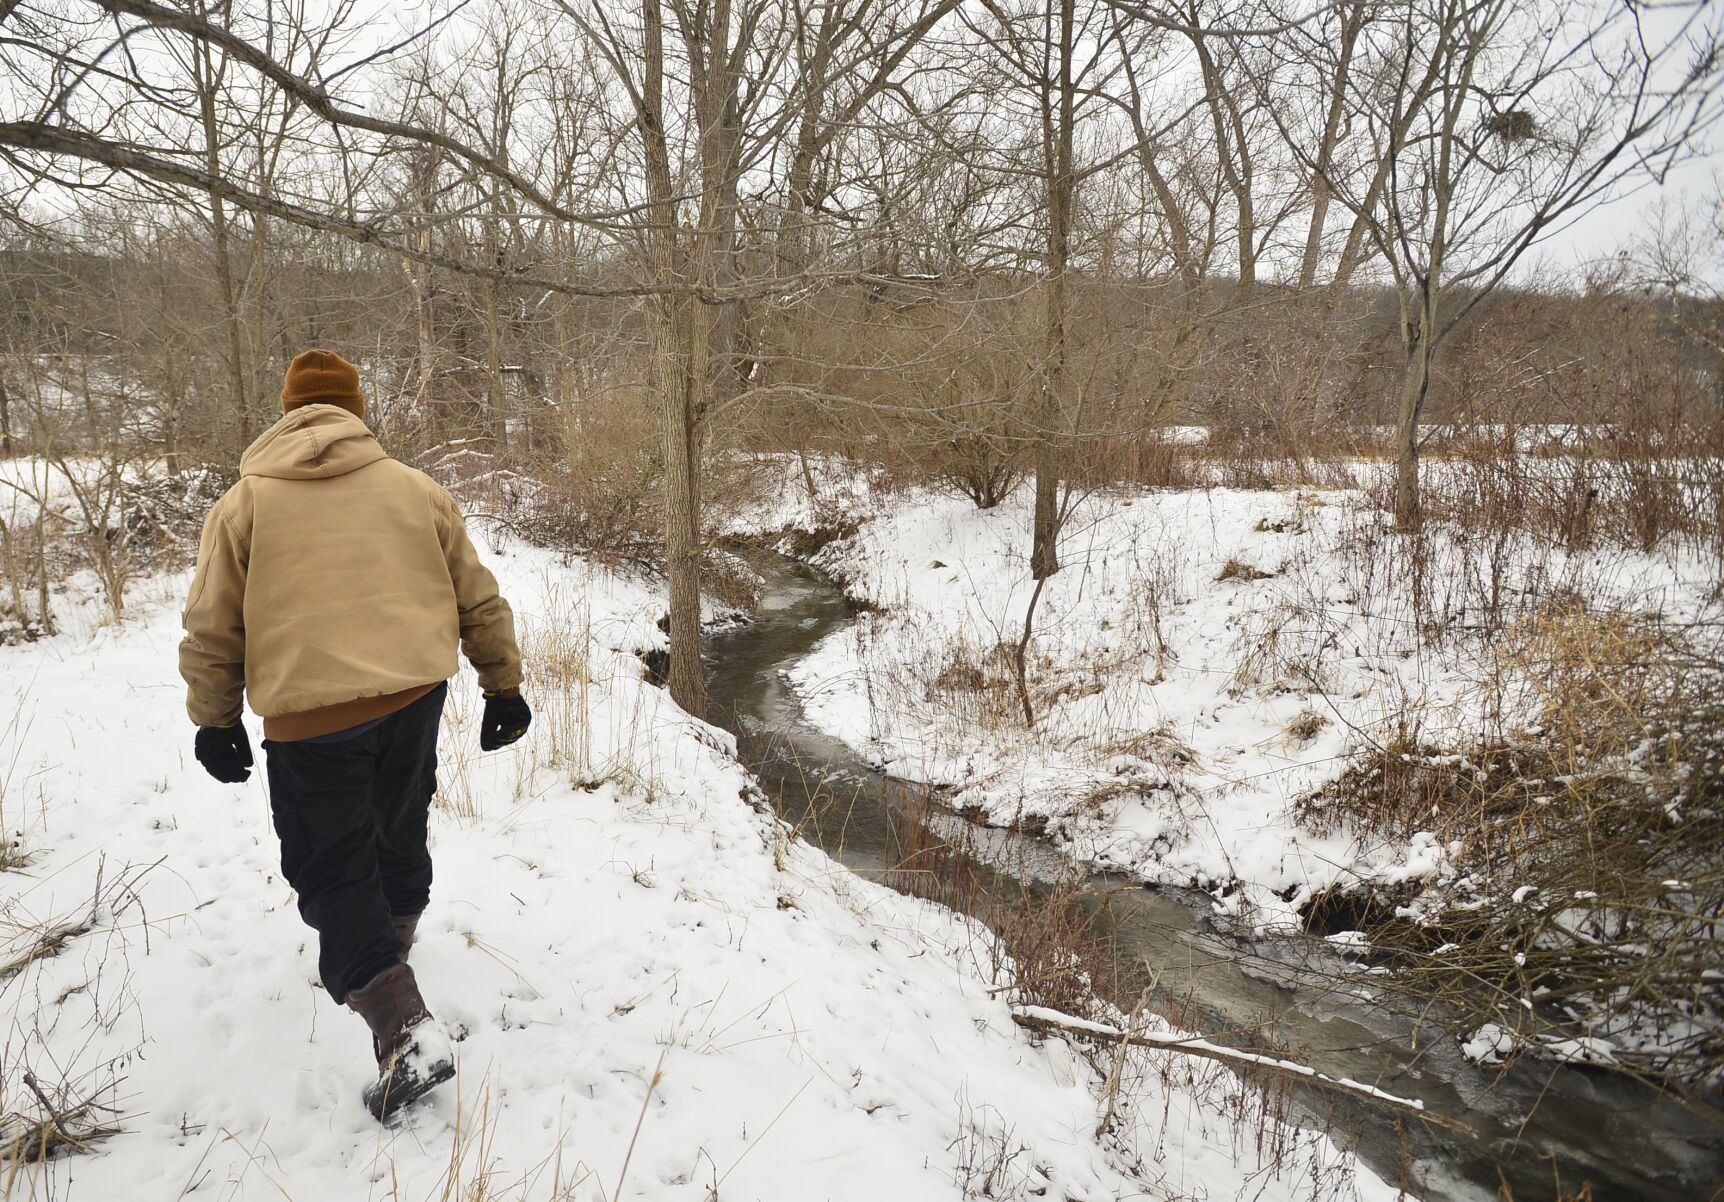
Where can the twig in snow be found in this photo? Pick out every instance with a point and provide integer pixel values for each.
(1043, 1020)
(37, 1139)
(640, 1120)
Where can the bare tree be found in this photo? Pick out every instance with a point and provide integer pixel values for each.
(1494, 123)
(1348, 23)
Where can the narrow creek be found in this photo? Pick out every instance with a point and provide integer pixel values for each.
(1535, 1123)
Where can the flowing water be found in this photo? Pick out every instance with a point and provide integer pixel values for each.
(1534, 1123)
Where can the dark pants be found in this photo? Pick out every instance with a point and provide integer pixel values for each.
(350, 810)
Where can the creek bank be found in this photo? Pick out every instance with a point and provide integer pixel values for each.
(1534, 1121)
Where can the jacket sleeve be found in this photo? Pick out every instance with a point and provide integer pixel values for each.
(212, 655)
(487, 622)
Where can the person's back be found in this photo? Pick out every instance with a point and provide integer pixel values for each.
(359, 580)
(333, 587)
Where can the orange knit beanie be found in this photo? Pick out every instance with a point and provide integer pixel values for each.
(322, 378)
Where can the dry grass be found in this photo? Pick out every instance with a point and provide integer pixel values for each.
(28, 945)
(1238, 569)
(974, 685)
(475, 1174)
(55, 1096)
(989, 1161)
(1306, 725)
(25, 612)
(13, 739)
(1586, 877)
(556, 652)
(54, 1126)
(558, 649)
(1055, 944)
(1649, 480)
(1043, 943)
(1623, 488)
(604, 498)
(457, 756)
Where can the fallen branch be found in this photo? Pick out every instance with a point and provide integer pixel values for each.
(1045, 1021)
(21, 946)
(75, 1128)
(49, 941)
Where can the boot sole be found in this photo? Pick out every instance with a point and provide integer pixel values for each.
(384, 1098)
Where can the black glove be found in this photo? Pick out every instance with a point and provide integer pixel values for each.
(225, 752)
(506, 720)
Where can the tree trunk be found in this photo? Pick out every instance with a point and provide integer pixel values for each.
(563, 363)
(424, 192)
(679, 362)
(259, 318)
(14, 576)
(1415, 386)
(206, 82)
(1044, 541)
(6, 448)
(496, 392)
(171, 454)
(496, 406)
(44, 609)
(1058, 154)
(1321, 193)
(425, 367)
(1233, 153)
(807, 471)
(1320, 197)
(679, 386)
(1354, 252)
(1021, 654)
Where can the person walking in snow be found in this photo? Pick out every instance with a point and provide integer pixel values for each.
(333, 585)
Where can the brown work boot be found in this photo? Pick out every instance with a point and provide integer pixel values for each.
(404, 927)
(413, 1053)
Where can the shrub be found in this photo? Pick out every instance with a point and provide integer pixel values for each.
(1578, 908)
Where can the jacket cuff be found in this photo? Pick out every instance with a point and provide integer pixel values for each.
(500, 679)
(203, 717)
(219, 723)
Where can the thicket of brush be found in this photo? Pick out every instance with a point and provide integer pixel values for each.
(1579, 908)
(1576, 414)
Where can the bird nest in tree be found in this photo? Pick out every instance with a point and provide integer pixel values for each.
(1515, 125)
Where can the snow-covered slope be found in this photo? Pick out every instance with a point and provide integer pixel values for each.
(662, 997)
(1203, 658)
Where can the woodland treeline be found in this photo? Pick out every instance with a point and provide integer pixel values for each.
(988, 240)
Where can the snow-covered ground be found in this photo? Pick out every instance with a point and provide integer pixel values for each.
(27, 482)
(661, 995)
(1203, 658)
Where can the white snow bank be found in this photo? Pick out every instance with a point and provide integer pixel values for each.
(661, 996)
(1201, 659)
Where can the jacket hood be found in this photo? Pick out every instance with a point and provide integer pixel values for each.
(313, 442)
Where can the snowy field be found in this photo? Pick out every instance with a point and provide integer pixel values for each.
(660, 995)
(1203, 659)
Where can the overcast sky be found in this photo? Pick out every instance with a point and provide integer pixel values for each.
(1605, 230)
